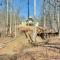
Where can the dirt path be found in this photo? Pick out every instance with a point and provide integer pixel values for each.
(14, 46)
(20, 49)
(40, 53)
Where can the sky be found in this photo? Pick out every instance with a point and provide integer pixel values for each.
(22, 7)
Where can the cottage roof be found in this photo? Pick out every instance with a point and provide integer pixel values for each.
(29, 19)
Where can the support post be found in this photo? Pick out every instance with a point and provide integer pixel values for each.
(58, 14)
(10, 20)
(7, 18)
(34, 8)
(34, 29)
(15, 23)
(44, 15)
(28, 9)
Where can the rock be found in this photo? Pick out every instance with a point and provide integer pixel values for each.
(4, 57)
